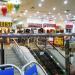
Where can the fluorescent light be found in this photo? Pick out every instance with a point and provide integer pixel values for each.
(40, 4)
(54, 8)
(26, 11)
(37, 12)
(66, 1)
(42, 0)
(65, 11)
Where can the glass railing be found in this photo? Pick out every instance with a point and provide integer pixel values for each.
(22, 54)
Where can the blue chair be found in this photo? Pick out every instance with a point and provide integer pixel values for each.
(31, 71)
(9, 71)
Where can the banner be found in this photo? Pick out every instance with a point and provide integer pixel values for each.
(5, 24)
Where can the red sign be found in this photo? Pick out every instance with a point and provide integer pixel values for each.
(40, 25)
(69, 26)
(4, 10)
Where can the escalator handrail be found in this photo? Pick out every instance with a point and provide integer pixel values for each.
(57, 50)
(41, 49)
(25, 57)
(33, 62)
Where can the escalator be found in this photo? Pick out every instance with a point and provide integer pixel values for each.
(47, 62)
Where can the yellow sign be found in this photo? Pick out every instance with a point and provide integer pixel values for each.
(5, 24)
(58, 41)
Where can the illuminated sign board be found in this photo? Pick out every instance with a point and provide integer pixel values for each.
(58, 41)
(5, 24)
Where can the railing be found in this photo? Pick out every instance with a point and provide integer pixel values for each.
(57, 50)
(45, 35)
(59, 56)
(35, 35)
(19, 51)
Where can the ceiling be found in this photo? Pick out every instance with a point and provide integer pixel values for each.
(47, 6)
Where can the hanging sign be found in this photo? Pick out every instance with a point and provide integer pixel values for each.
(58, 41)
(4, 10)
(9, 6)
(17, 6)
(69, 26)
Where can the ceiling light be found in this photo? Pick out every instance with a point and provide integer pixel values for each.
(49, 13)
(65, 11)
(54, 8)
(37, 12)
(40, 5)
(65, 1)
(42, 0)
(26, 11)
